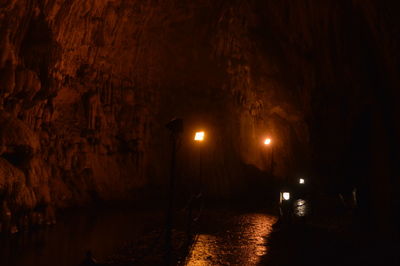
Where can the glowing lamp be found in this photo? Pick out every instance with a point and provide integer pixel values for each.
(267, 141)
(301, 181)
(199, 136)
(286, 195)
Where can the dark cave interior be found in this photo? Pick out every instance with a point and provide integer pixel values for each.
(87, 87)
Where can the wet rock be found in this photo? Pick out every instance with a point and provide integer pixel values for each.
(13, 187)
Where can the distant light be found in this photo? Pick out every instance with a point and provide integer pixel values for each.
(267, 141)
(199, 136)
(301, 181)
(286, 195)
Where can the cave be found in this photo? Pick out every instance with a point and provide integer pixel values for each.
(188, 123)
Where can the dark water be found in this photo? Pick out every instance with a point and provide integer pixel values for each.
(65, 243)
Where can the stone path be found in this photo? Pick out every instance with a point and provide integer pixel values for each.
(235, 239)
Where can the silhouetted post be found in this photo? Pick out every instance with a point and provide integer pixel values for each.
(200, 168)
(272, 161)
(267, 142)
(176, 128)
(199, 138)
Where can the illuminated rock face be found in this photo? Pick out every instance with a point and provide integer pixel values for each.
(87, 86)
(76, 116)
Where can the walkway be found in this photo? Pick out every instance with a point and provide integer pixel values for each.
(228, 238)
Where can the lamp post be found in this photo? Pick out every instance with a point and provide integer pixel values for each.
(199, 138)
(175, 126)
(268, 142)
(285, 205)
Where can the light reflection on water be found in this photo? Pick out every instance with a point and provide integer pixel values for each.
(243, 244)
(300, 208)
(203, 250)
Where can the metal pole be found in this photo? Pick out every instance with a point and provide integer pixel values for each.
(168, 224)
(272, 161)
(200, 169)
(176, 127)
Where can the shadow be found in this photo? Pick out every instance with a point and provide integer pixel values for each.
(307, 244)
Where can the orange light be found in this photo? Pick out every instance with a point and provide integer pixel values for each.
(199, 136)
(267, 141)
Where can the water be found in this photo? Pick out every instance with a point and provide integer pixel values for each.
(300, 208)
(65, 243)
(239, 239)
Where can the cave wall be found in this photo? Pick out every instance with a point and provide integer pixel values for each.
(87, 87)
(71, 102)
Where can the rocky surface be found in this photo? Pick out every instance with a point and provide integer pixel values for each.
(74, 118)
(87, 87)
